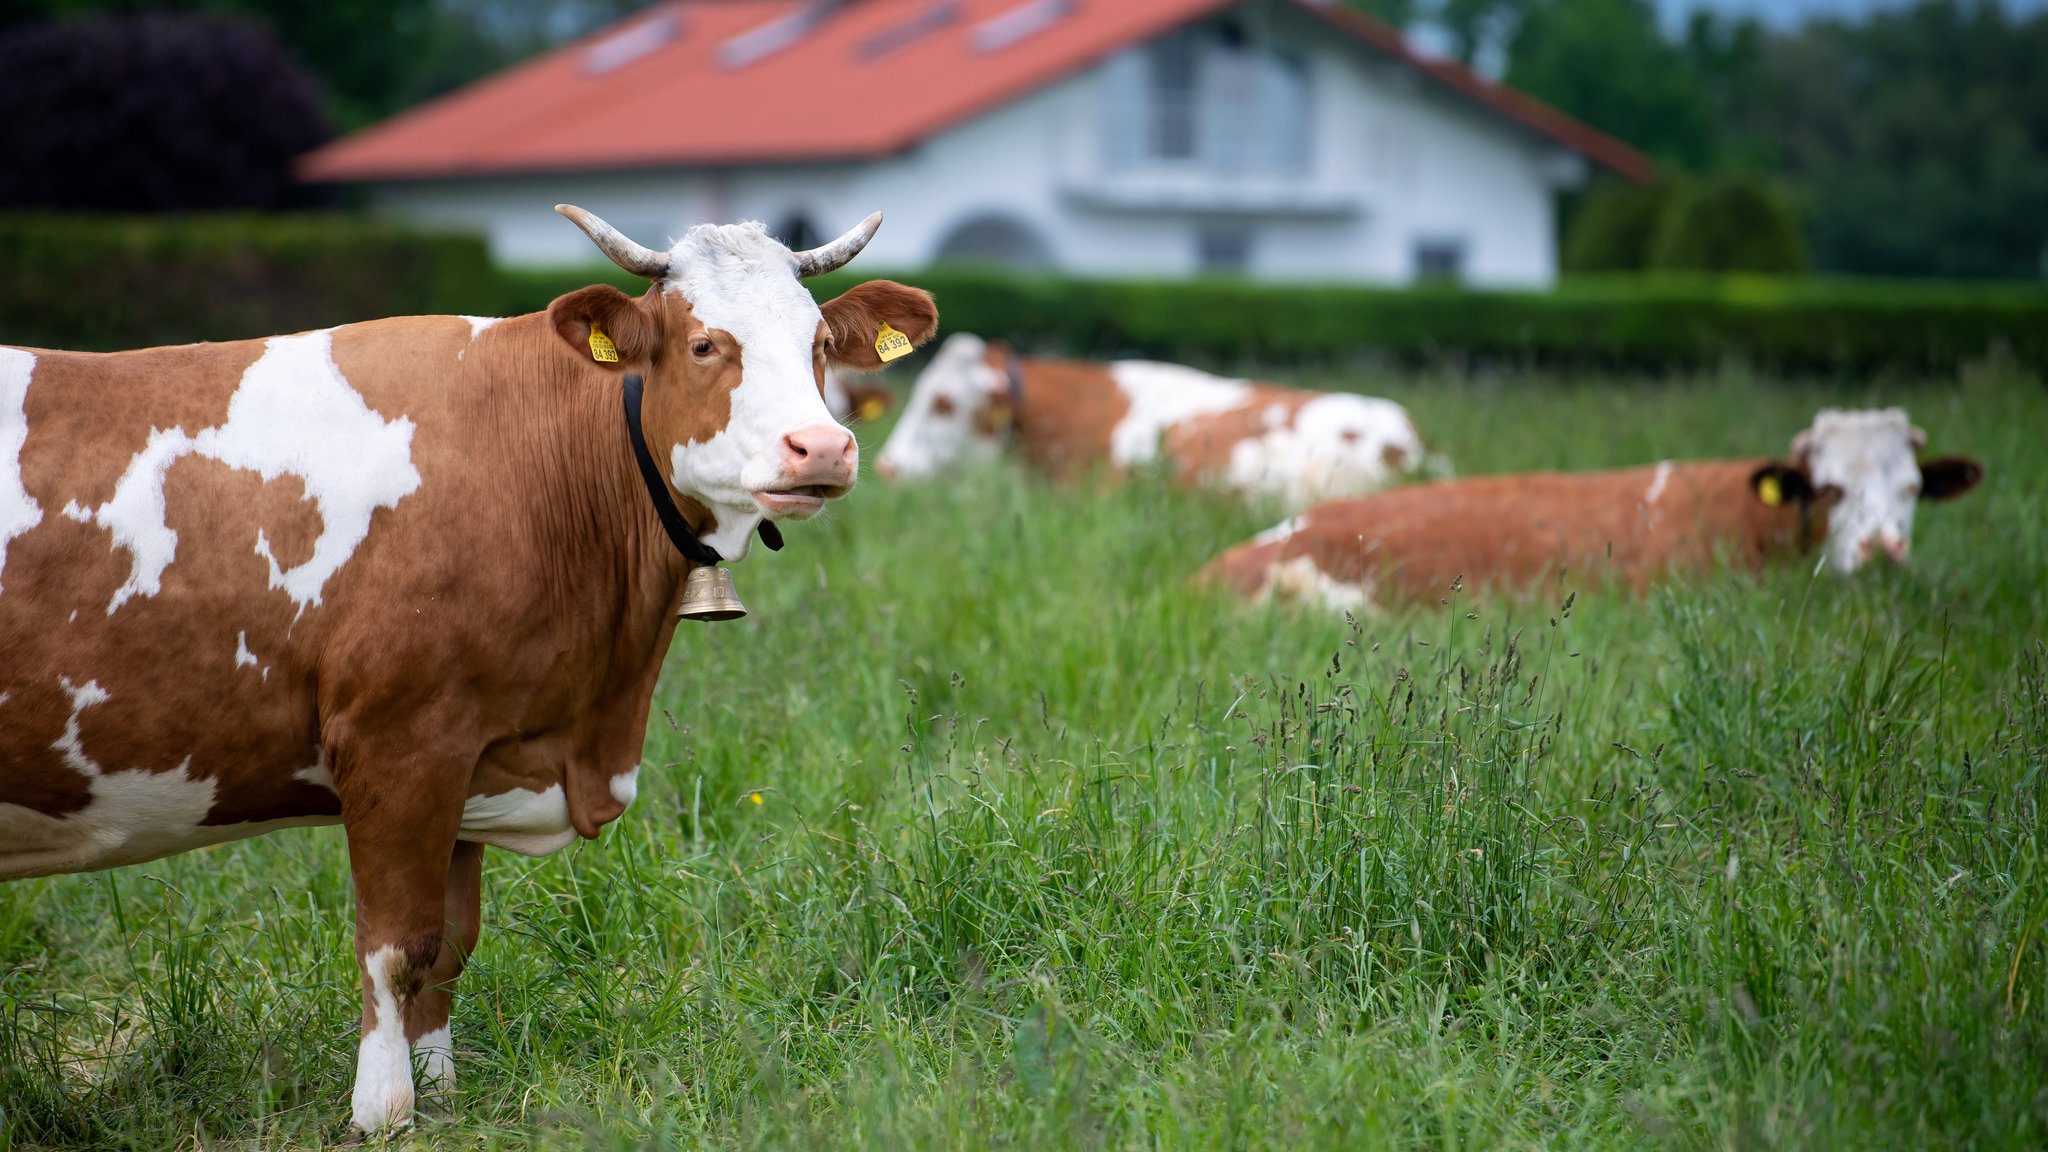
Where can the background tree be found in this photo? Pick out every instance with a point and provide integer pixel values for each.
(153, 112)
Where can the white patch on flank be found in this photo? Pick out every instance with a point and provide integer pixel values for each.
(529, 823)
(242, 654)
(132, 816)
(742, 281)
(73, 510)
(1275, 416)
(477, 324)
(295, 415)
(926, 441)
(1302, 579)
(19, 511)
(383, 1092)
(434, 1055)
(1162, 395)
(1279, 533)
(626, 786)
(1655, 491)
(1336, 446)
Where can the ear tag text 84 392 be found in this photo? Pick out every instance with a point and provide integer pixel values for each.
(891, 344)
(602, 349)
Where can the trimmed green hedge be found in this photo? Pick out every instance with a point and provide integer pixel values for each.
(84, 282)
(99, 282)
(1656, 323)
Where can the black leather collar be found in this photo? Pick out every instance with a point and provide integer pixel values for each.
(679, 531)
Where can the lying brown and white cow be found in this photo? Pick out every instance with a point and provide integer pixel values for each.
(1259, 439)
(410, 576)
(853, 399)
(1851, 484)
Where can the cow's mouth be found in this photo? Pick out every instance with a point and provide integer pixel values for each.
(800, 502)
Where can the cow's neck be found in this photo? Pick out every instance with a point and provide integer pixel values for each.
(608, 569)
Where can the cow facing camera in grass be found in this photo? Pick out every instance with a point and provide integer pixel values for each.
(1849, 485)
(409, 576)
(1262, 441)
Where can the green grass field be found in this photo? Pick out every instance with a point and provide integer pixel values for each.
(987, 831)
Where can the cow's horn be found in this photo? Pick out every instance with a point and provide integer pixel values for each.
(833, 256)
(638, 259)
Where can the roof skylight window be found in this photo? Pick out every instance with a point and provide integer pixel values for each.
(904, 33)
(643, 39)
(1019, 24)
(765, 40)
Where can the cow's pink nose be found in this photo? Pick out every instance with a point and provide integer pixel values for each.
(821, 450)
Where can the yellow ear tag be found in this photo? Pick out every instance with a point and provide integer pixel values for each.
(1768, 491)
(871, 408)
(891, 344)
(602, 349)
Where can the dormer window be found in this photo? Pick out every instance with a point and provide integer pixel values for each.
(1208, 97)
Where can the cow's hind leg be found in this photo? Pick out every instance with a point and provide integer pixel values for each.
(426, 1018)
(401, 861)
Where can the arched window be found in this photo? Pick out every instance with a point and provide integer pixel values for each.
(994, 239)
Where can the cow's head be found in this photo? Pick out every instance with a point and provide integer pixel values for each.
(733, 351)
(1860, 469)
(958, 411)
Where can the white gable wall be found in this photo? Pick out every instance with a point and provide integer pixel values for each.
(1396, 160)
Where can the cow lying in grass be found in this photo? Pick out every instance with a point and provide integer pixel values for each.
(1849, 485)
(853, 399)
(1064, 416)
(413, 576)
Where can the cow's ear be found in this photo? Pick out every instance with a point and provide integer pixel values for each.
(605, 326)
(1947, 477)
(857, 315)
(1777, 484)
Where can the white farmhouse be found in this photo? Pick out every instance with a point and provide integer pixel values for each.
(1277, 139)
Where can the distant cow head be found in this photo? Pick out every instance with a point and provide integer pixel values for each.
(733, 351)
(1860, 467)
(958, 412)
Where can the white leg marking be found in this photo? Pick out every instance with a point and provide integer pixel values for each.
(1655, 491)
(294, 414)
(242, 654)
(434, 1054)
(18, 510)
(383, 1093)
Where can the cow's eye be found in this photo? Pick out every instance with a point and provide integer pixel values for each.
(703, 348)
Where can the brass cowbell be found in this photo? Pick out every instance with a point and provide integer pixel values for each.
(708, 595)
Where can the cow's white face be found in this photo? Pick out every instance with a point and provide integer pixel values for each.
(732, 351)
(1861, 467)
(951, 416)
(780, 453)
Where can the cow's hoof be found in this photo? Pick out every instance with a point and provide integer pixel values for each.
(356, 1135)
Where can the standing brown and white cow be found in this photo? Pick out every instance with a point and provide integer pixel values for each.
(1850, 485)
(407, 576)
(1260, 440)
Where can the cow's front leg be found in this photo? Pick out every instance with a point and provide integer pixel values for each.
(426, 1019)
(401, 860)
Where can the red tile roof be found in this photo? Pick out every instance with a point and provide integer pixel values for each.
(674, 87)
